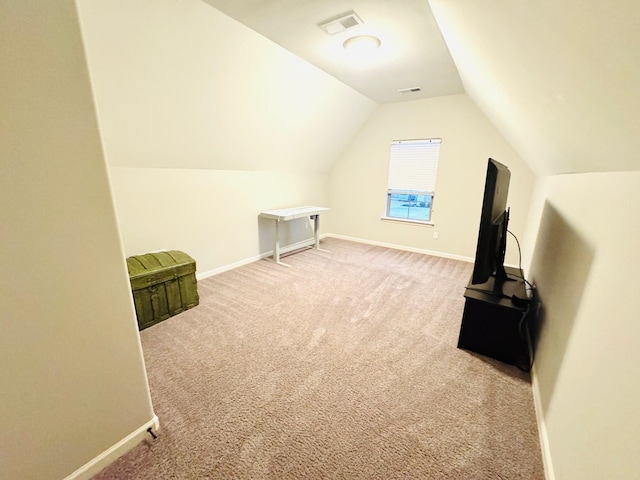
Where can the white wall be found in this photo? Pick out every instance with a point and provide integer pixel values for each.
(72, 375)
(211, 214)
(585, 265)
(358, 182)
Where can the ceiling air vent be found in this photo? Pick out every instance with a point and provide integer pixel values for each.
(409, 90)
(340, 23)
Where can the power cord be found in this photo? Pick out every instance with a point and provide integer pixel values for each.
(523, 326)
(531, 287)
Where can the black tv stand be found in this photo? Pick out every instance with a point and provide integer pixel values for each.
(497, 324)
(506, 285)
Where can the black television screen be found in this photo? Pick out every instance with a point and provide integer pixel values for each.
(489, 260)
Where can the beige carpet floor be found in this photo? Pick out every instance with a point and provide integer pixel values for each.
(343, 366)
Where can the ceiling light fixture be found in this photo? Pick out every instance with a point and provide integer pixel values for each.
(362, 44)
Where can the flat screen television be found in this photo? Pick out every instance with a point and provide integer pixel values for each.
(488, 269)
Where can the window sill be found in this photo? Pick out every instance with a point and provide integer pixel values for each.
(407, 220)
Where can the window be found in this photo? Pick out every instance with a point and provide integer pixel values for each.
(413, 165)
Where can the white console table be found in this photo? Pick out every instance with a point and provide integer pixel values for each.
(286, 214)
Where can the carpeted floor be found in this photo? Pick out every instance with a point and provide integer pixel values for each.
(343, 366)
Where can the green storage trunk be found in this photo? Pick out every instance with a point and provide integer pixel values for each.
(163, 284)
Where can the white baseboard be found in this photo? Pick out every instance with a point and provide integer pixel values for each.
(114, 452)
(401, 247)
(308, 242)
(542, 427)
(255, 258)
(230, 266)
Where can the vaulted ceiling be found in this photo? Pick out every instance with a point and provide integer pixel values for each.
(558, 79)
(412, 51)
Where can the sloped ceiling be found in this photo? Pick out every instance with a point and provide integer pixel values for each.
(412, 54)
(560, 80)
(178, 84)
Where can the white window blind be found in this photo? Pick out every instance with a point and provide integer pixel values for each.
(413, 164)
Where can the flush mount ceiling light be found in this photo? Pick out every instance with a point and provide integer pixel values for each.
(362, 44)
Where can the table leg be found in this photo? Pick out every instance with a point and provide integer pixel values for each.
(276, 246)
(316, 232)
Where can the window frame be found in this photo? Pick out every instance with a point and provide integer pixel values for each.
(429, 180)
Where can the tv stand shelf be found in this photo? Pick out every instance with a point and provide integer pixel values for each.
(495, 325)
